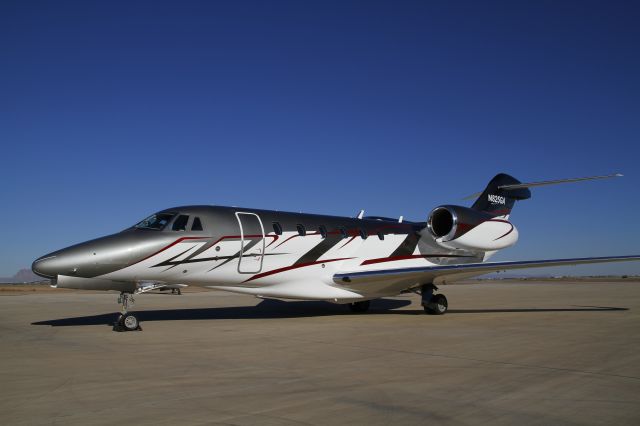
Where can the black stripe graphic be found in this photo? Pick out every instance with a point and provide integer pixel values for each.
(172, 263)
(237, 255)
(321, 248)
(407, 247)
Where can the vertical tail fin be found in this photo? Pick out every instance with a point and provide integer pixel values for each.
(503, 191)
(498, 201)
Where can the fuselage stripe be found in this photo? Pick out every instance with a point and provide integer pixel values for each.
(415, 256)
(295, 266)
(169, 246)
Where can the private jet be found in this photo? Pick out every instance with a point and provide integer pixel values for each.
(296, 256)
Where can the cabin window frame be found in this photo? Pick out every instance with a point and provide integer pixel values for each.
(277, 228)
(193, 224)
(343, 231)
(364, 234)
(183, 225)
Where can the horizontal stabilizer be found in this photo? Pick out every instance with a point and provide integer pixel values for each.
(515, 186)
(554, 182)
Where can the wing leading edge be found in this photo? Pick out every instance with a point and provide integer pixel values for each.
(388, 281)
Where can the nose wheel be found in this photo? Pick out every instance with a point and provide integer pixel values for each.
(126, 320)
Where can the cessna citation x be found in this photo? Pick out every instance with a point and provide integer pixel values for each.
(281, 255)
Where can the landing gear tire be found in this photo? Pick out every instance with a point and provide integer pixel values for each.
(129, 322)
(438, 305)
(126, 321)
(359, 307)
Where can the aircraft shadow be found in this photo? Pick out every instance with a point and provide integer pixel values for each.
(264, 310)
(526, 310)
(278, 309)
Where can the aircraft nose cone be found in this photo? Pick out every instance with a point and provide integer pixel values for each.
(45, 266)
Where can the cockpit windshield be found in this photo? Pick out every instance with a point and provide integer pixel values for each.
(156, 221)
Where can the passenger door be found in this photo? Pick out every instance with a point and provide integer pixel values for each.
(252, 243)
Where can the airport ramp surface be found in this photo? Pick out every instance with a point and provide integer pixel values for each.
(506, 353)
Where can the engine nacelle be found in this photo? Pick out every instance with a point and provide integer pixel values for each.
(469, 229)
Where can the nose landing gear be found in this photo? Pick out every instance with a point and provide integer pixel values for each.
(126, 321)
(434, 304)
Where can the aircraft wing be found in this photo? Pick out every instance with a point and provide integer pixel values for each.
(389, 281)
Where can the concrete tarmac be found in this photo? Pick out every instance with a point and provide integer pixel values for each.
(506, 353)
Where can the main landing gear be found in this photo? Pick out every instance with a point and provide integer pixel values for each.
(126, 321)
(434, 304)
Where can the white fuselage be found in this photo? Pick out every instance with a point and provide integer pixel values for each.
(270, 265)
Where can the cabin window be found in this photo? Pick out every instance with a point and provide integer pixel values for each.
(180, 224)
(156, 221)
(196, 225)
(323, 231)
(277, 228)
(301, 230)
(381, 235)
(363, 234)
(344, 233)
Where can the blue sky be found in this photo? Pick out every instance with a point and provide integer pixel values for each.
(112, 110)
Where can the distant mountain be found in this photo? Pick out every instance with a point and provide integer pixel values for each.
(23, 276)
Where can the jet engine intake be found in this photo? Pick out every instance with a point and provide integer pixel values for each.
(447, 223)
(464, 228)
